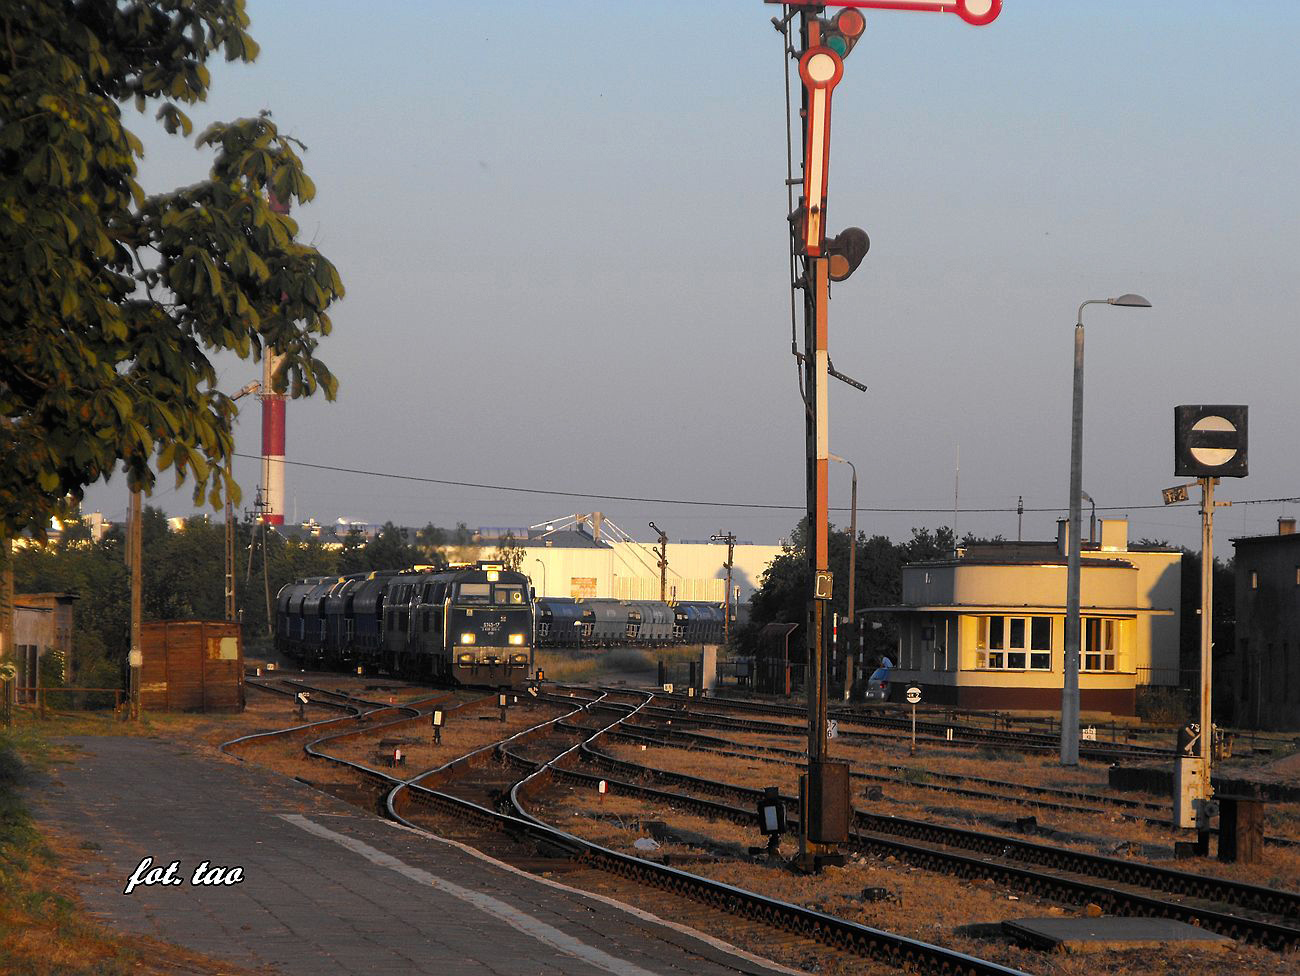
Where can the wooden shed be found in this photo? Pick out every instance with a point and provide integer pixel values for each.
(192, 665)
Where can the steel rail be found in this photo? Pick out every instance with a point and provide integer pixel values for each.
(1151, 877)
(708, 743)
(836, 932)
(1034, 740)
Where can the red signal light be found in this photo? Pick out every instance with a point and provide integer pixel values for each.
(850, 23)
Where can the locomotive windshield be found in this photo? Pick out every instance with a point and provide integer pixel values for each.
(507, 594)
(484, 594)
(474, 593)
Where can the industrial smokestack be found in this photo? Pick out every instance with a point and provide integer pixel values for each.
(272, 425)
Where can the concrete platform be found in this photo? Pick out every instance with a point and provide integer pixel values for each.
(328, 889)
(1111, 932)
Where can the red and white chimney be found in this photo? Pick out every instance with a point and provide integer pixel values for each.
(272, 443)
(272, 425)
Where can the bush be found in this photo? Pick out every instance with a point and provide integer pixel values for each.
(1158, 705)
(98, 672)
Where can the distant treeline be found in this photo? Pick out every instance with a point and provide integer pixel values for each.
(184, 576)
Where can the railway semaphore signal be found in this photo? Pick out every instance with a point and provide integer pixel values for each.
(824, 44)
(977, 13)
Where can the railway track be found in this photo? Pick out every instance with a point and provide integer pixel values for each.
(483, 799)
(981, 788)
(496, 821)
(705, 712)
(1033, 867)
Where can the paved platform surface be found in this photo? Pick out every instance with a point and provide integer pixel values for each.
(327, 888)
(1112, 932)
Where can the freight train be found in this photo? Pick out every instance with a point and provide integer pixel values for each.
(562, 622)
(469, 625)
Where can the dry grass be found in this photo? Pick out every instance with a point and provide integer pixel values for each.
(44, 930)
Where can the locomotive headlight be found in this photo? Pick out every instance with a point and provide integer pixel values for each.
(516, 639)
(518, 658)
(467, 638)
(465, 659)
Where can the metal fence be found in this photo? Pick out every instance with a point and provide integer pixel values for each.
(58, 698)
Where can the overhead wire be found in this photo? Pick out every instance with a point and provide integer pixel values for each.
(707, 503)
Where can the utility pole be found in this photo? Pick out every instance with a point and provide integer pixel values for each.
(663, 563)
(7, 601)
(730, 539)
(1020, 516)
(231, 611)
(259, 515)
(135, 657)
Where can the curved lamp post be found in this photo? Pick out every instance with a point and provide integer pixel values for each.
(1070, 690)
(543, 565)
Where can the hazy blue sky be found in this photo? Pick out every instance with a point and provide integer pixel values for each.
(562, 231)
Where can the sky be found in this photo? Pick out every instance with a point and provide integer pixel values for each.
(562, 230)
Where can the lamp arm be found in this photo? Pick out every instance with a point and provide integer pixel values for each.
(1090, 301)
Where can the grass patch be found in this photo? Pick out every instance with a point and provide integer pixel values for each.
(43, 931)
(995, 754)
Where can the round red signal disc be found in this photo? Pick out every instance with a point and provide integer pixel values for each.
(850, 23)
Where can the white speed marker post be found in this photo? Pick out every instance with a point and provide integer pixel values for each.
(914, 697)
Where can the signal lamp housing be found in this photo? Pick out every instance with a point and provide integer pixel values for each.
(846, 251)
(844, 31)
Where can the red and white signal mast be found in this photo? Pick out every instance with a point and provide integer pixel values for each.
(824, 790)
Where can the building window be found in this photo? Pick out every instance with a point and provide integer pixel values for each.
(1101, 644)
(1040, 644)
(1011, 643)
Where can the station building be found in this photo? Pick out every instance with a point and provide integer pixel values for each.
(1262, 670)
(986, 628)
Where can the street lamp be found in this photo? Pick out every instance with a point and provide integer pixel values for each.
(1070, 689)
(849, 661)
(543, 565)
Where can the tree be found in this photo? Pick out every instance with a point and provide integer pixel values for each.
(389, 550)
(510, 553)
(786, 585)
(112, 300)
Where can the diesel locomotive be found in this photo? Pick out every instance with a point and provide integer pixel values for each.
(469, 625)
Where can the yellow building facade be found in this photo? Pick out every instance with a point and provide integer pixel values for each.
(986, 629)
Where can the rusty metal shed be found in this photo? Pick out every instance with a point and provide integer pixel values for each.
(192, 665)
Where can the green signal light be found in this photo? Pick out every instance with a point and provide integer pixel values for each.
(838, 44)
